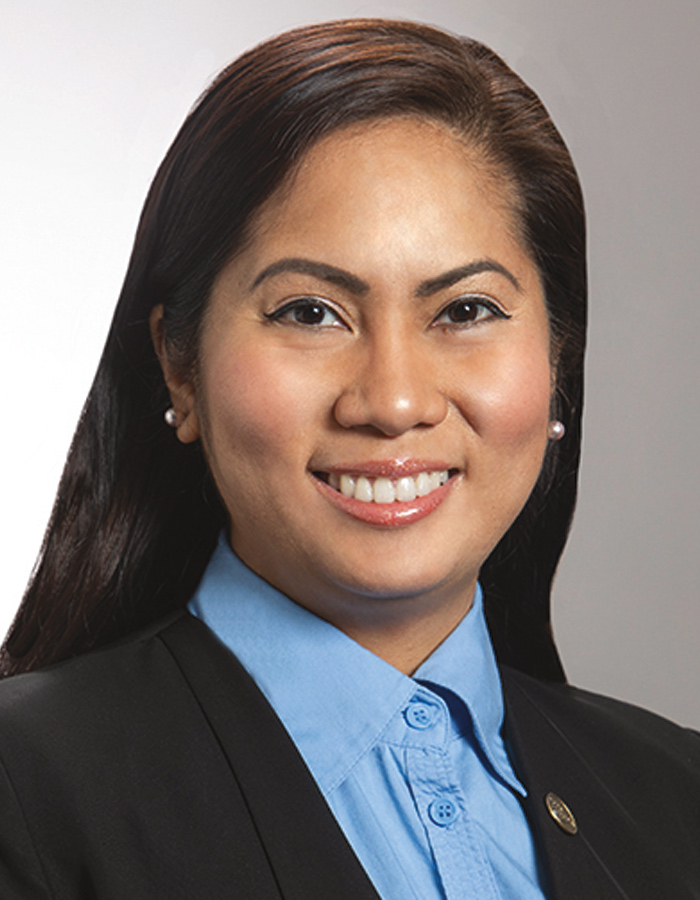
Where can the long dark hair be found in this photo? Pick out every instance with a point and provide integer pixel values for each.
(136, 516)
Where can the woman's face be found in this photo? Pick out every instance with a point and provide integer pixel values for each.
(383, 335)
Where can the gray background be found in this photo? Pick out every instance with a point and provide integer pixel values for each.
(92, 94)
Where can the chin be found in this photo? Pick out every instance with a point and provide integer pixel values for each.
(401, 581)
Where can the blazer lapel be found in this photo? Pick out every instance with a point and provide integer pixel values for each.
(308, 853)
(609, 857)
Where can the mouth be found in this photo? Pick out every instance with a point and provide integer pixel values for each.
(387, 494)
(382, 489)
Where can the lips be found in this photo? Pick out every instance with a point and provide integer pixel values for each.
(387, 493)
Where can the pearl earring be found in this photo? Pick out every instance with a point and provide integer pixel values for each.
(556, 430)
(171, 417)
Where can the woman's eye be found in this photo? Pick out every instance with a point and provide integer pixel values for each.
(306, 311)
(468, 311)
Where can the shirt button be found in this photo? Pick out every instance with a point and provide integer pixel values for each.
(420, 715)
(443, 812)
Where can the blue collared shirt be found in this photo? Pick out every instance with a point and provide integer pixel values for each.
(414, 768)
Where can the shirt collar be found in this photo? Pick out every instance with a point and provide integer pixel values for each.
(334, 697)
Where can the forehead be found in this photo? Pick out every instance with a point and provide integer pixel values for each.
(390, 167)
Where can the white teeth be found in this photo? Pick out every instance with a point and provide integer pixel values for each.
(387, 490)
(423, 484)
(347, 485)
(363, 490)
(384, 491)
(405, 489)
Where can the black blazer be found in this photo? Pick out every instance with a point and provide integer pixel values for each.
(156, 769)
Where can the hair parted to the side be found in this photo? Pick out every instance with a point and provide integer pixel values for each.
(136, 516)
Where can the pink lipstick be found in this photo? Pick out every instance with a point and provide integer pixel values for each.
(387, 493)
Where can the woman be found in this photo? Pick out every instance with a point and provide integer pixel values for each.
(357, 295)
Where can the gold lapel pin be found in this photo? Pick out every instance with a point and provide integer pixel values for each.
(561, 813)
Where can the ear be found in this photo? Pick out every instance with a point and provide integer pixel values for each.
(179, 383)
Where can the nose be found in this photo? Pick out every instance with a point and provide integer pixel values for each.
(391, 387)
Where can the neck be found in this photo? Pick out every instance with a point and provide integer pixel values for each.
(401, 631)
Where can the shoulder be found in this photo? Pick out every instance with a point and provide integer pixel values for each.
(116, 703)
(633, 752)
(593, 717)
(100, 764)
(77, 687)
(630, 777)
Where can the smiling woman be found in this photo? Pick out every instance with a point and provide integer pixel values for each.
(394, 336)
(308, 634)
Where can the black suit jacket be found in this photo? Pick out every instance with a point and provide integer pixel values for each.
(156, 769)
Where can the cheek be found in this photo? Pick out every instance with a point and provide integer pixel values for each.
(511, 406)
(254, 405)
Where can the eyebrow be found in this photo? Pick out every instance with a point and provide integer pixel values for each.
(357, 286)
(331, 274)
(454, 276)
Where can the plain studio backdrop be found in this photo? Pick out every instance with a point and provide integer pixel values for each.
(92, 94)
